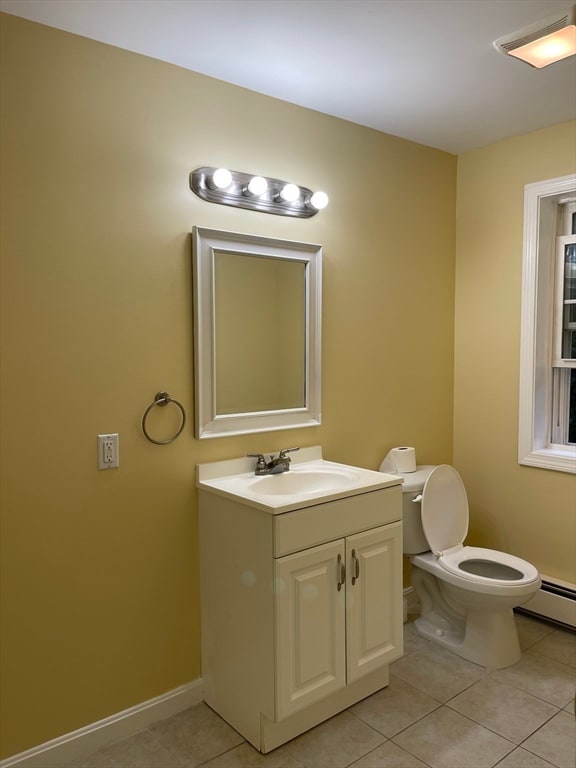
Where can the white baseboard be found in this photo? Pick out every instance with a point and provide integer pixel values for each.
(555, 601)
(58, 752)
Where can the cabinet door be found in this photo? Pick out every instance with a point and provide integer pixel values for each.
(374, 599)
(310, 626)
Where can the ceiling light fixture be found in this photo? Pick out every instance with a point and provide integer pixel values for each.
(258, 193)
(544, 42)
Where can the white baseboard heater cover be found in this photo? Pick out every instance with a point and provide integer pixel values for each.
(554, 601)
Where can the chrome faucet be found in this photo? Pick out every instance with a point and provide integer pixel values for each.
(275, 465)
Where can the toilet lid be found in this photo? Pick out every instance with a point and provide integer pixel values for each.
(444, 509)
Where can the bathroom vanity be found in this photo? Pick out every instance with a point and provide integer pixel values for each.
(301, 591)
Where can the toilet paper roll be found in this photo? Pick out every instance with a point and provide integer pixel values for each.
(405, 458)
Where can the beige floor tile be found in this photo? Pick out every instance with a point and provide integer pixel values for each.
(139, 751)
(335, 743)
(506, 710)
(446, 739)
(531, 630)
(543, 677)
(520, 758)
(389, 755)
(559, 645)
(571, 706)
(437, 672)
(245, 756)
(555, 741)
(413, 640)
(424, 733)
(394, 708)
(196, 735)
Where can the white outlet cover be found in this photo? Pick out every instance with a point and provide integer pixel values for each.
(108, 455)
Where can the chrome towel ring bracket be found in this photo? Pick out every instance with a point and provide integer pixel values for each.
(162, 399)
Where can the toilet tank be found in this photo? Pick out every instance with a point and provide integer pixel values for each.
(412, 532)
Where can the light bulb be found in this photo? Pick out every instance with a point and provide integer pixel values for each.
(222, 178)
(257, 185)
(290, 193)
(319, 200)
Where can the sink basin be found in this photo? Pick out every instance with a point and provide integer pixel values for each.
(310, 480)
(297, 481)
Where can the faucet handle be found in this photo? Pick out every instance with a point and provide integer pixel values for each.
(284, 451)
(261, 461)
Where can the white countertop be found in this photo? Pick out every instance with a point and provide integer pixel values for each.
(320, 481)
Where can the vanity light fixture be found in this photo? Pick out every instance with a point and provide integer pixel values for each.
(544, 42)
(258, 193)
(289, 193)
(257, 186)
(220, 179)
(318, 200)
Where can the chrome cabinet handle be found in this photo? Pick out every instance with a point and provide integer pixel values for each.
(341, 573)
(356, 566)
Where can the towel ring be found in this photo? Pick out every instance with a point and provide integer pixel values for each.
(162, 399)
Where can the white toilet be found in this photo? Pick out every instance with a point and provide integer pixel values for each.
(467, 593)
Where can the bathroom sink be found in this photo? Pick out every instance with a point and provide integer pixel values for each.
(303, 479)
(310, 480)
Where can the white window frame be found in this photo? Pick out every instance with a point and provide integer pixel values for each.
(537, 332)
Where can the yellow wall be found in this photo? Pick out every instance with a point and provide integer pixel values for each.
(523, 510)
(100, 576)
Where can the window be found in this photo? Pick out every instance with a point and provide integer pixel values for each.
(547, 428)
(564, 343)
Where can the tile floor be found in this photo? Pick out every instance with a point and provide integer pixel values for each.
(438, 711)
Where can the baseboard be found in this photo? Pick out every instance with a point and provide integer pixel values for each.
(61, 751)
(554, 601)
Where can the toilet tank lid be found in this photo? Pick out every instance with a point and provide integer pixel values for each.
(414, 481)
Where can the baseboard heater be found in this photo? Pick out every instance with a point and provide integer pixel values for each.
(555, 601)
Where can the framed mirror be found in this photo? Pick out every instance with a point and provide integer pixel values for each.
(257, 333)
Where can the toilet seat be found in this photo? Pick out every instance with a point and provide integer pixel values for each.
(508, 570)
(444, 510)
(445, 522)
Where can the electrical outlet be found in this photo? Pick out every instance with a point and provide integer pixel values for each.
(108, 457)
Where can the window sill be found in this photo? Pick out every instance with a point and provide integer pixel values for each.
(558, 459)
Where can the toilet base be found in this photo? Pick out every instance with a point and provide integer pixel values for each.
(487, 639)
(480, 631)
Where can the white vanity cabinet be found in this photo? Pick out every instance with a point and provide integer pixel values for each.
(335, 609)
(301, 610)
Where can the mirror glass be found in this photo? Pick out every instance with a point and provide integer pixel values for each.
(257, 333)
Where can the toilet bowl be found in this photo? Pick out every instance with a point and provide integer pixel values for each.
(467, 593)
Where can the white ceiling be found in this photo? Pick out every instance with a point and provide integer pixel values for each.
(425, 70)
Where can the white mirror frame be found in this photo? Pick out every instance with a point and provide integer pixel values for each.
(207, 423)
